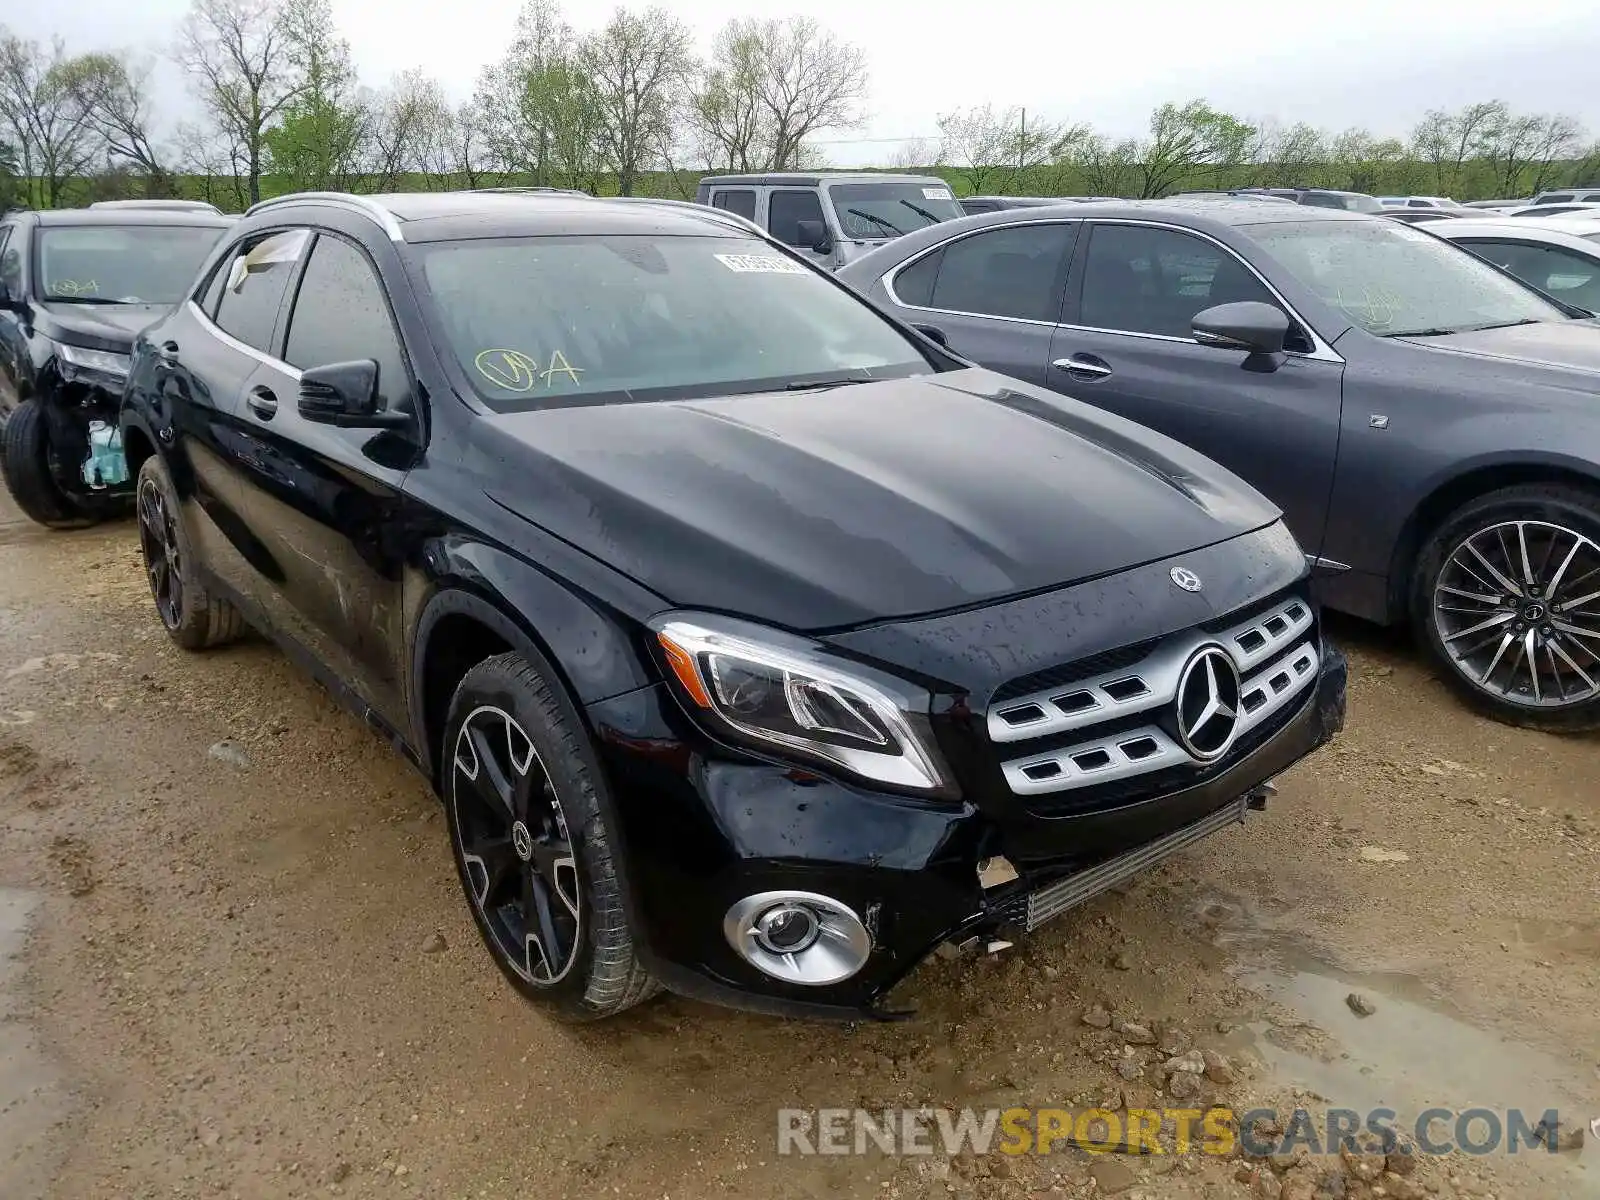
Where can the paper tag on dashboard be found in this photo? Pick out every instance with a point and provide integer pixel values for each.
(936, 193)
(770, 264)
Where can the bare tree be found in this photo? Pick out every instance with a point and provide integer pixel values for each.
(114, 91)
(50, 125)
(917, 152)
(412, 134)
(809, 81)
(1447, 140)
(1186, 141)
(237, 54)
(638, 65)
(994, 148)
(1555, 138)
(726, 117)
(468, 154)
(207, 155)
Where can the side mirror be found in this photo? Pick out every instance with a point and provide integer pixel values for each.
(815, 235)
(346, 394)
(1248, 325)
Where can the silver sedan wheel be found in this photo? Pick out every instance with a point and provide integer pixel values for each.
(1517, 608)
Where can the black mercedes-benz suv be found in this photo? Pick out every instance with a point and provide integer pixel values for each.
(75, 286)
(755, 645)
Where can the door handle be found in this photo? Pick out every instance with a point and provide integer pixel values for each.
(262, 402)
(1083, 365)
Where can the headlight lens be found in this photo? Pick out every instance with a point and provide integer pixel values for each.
(781, 691)
(92, 366)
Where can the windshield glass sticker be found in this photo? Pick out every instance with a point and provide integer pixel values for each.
(514, 371)
(936, 193)
(769, 264)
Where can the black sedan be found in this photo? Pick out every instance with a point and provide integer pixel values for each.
(1428, 424)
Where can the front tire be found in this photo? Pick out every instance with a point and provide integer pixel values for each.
(1506, 600)
(531, 844)
(25, 456)
(191, 615)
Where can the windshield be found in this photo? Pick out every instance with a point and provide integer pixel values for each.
(886, 210)
(649, 317)
(110, 264)
(1394, 280)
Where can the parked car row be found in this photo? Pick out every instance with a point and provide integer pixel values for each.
(772, 595)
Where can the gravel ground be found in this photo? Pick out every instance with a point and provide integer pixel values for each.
(248, 971)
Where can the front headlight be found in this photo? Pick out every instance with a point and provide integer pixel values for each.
(771, 688)
(80, 363)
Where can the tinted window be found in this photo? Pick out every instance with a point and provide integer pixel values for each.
(253, 286)
(1560, 198)
(886, 210)
(785, 211)
(914, 285)
(341, 315)
(979, 206)
(1554, 271)
(11, 261)
(738, 200)
(1146, 280)
(641, 318)
(1015, 271)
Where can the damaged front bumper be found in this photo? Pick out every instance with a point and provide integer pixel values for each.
(703, 829)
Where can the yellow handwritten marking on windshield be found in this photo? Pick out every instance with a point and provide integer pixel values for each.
(73, 287)
(509, 370)
(566, 368)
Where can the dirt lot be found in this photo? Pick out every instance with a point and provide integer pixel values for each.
(238, 964)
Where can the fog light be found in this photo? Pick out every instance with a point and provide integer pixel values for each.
(799, 937)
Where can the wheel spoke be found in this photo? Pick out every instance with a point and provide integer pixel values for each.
(1497, 619)
(1561, 571)
(1492, 601)
(492, 866)
(1522, 550)
(1494, 572)
(1557, 648)
(490, 780)
(1530, 654)
(1500, 652)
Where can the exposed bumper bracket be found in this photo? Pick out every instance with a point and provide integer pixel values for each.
(1052, 901)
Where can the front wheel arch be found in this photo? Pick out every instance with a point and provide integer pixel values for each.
(1447, 498)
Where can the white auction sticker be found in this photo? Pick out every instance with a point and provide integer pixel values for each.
(936, 193)
(771, 264)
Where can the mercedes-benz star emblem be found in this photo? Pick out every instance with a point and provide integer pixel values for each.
(1208, 703)
(1186, 579)
(522, 841)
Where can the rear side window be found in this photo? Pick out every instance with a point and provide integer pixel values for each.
(741, 201)
(1555, 271)
(914, 285)
(341, 314)
(1014, 271)
(1557, 199)
(254, 281)
(785, 211)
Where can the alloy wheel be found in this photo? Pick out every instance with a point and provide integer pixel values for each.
(1517, 609)
(158, 538)
(515, 847)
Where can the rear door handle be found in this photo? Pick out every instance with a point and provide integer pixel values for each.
(1085, 366)
(262, 402)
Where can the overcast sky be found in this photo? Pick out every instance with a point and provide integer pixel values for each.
(1374, 63)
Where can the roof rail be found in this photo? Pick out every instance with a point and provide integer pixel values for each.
(733, 219)
(365, 205)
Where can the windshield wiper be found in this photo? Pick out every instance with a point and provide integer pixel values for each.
(1443, 332)
(921, 212)
(876, 220)
(801, 385)
(82, 300)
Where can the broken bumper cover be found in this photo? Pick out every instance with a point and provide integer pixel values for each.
(704, 827)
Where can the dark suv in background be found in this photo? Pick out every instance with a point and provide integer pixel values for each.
(755, 645)
(75, 286)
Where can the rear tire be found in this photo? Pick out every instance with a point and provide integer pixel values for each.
(1482, 601)
(26, 462)
(531, 844)
(192, 616)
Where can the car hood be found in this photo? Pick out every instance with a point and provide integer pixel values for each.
(102, 326)
(1570, 345)
(829, 509)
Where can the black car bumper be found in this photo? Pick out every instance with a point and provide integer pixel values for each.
(702, 827)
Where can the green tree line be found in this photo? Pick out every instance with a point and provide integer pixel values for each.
(634, 106)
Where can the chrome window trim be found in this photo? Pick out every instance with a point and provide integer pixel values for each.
(888, 280)
(364, 205)
(1322, 350)
(233, 343)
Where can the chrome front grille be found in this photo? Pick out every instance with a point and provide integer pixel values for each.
(1274, 653)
